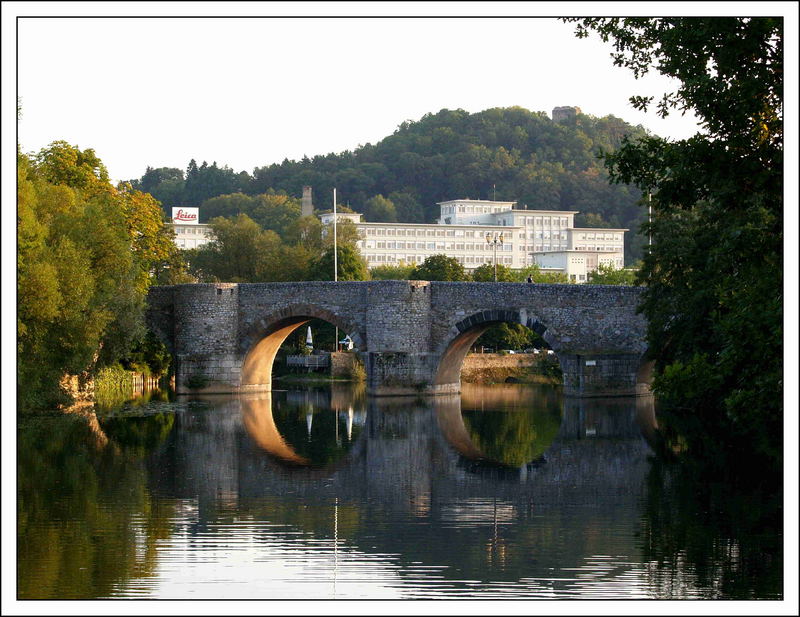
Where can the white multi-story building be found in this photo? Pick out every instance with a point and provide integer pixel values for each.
(547, 238)
(189, 233)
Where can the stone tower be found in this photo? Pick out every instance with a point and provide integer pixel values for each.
(562, 113)
(306, 206)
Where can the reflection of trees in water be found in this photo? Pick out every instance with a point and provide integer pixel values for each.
(86, 522)
(141, 434)
(512, 437)
(728, 537)
(511, 425)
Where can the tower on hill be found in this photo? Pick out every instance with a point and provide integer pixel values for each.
(306, 205)
(562, 113)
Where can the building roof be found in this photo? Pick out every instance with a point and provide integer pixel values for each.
(599, 229)
(474, 201)
(533, 211)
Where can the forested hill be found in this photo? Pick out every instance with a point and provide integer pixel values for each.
(502, 153)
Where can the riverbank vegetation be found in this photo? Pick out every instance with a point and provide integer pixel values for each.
(87, 253)
(714, 275)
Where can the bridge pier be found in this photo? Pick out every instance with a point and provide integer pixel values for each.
(405, 374)
(588, 374)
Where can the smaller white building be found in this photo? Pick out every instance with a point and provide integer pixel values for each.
(578, 264)
(189, 233)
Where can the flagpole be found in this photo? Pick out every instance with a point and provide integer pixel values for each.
(335, 266)
(335, 251)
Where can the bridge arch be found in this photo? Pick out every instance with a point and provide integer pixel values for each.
(261, 342)
(463, 334)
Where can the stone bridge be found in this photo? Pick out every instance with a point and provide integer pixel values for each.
(412, 335)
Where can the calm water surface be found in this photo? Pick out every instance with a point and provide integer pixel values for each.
(503, 492)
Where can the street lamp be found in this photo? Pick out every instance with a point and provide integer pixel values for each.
(494, 241)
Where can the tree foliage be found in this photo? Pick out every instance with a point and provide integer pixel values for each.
(608, 275)
(87, 253)
(713, 295)
(241, 252)
(439, 268)
(378, 209)
(391, 273)
(485, 273)
(350, 265)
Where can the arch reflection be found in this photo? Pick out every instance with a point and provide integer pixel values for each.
(501, 425)
(305, 428)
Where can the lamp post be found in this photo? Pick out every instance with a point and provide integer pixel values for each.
(494, 241)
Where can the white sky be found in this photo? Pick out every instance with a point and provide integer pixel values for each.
(249, 92)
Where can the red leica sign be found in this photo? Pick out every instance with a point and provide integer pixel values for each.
(184, 215)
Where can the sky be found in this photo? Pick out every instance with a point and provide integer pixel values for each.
(249, 92)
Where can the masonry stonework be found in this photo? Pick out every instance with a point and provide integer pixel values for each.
(412, 335)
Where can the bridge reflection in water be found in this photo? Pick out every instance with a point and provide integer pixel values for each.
(426, 480)
(404, 454)
(504, 492)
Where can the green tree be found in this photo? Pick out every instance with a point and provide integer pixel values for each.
(590, 219)
(165, 184)
(408, 209)
(536, 274)
(276, 211)
(391, 273)
(63, 164)
(485, 274)
(346, 234)
(717, 198)
(227, 206)
(380, 210)
(510, 336)
(350, 265)
(151, 241)
(306, 230)
(174, 270)
(208, 181)
(86, 253)
(293, 262)
(439, 268)
(241, 252)
(608, 275)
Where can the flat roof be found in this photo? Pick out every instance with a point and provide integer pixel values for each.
(576, 251)
(598, 229)
(475, 201)
(546, 211)
(440, 225)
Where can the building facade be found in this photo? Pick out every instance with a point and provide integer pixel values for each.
(547, 238)
(189, 233)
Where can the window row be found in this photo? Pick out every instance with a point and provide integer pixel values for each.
(599, 247)
(587, 236)
(542, 234)
(199, 231)
(467, 260)
(452, 246)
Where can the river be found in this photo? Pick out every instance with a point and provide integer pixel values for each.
(503, 492)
